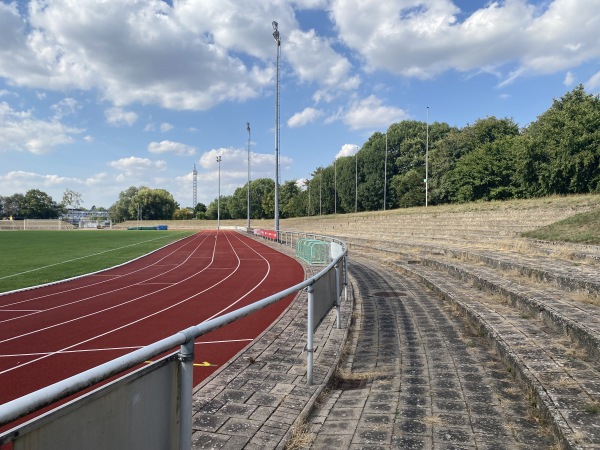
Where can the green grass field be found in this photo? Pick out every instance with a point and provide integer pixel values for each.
(29, 258)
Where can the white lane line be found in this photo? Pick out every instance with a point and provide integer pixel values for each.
(77, 259)
(125, 325)
(100, 311)
(63, 305)
(109, 278)
(251, 290)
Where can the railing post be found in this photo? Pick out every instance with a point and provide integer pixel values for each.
(346, 278)
(186, 358)
(309, 335)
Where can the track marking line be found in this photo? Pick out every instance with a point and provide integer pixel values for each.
(141, 318)
(111, 277)
(77, 259)
(94, 284)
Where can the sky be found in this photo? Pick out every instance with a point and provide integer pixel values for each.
(97, 96)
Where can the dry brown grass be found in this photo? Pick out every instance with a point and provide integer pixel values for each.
(301, 438)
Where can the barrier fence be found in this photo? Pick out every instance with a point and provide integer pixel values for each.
(151, 407)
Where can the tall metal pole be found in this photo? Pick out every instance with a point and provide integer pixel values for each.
(427, 160)
(248, 128)
(356, 181)
(195, 188)
(320, 193)
(219, 195)
(334, 186)
(385, 173)
(308, 209)
(278, 43)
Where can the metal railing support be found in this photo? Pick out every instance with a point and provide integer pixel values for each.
(346, 278)
(337, 295)
(186, 359)
(309, 335)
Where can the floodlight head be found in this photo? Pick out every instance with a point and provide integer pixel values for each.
(276, 32)
(248, 127)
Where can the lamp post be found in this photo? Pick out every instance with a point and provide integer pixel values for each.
(320, 193)
(334, 186)
(278, 43)
(219, 196)
(385, 173)
(308, 209)
(356, 180)
(248, 129)
(427, 159)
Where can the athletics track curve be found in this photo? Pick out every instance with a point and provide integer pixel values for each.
(52, 332)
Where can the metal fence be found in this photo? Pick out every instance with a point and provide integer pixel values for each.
(151, 407)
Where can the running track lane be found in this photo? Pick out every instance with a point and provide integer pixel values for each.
(52, 332)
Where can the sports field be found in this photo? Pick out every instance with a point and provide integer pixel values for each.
(34, 257)
(50, 333)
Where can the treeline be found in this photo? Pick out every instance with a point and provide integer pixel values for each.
(491, 159)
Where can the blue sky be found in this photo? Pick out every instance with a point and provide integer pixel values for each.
(100, 96)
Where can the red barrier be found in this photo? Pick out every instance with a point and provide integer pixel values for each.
(270, 234)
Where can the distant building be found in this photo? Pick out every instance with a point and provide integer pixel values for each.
(79, 217)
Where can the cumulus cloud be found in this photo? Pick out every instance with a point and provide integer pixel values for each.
(21, 131)
(165, 126)
(371, 113)
(593, 82)
(314, 60)
(347, 150)
(427, 38)
(304, 117)
(234, 163)
(134, 165)
(176, 148)
(118, 117)
(569, 79)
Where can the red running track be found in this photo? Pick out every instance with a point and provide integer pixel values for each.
(52, 332)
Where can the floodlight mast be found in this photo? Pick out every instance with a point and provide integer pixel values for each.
(248, 129)
(219, 196)
(278, 42)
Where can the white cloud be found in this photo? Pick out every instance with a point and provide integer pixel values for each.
(117, 116)
(134, 166)
(569, 79)
(370, 113)
(164, 127)
(427, 38)
(234, 163)
(304, 117)
(176, 148)
(347, 150)
(20, 131)
(593, 82)
(314, 60)
(65, 107)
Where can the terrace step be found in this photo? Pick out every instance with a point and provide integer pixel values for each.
(564, 382)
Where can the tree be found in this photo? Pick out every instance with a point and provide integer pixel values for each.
(152, 204)
(409, 188)
(560, 153)
(486, 173)
(71, 199)
(39, 205)
(13, 206)
(183, 214)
